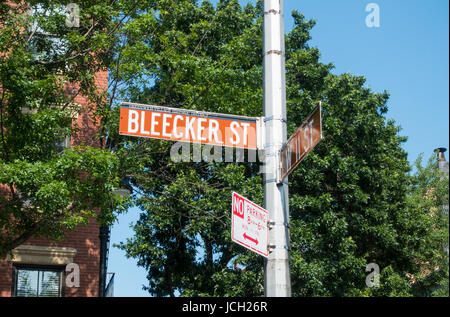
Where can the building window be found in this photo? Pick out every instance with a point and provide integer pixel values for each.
(63, 144)
(46, 42)
(37, 281)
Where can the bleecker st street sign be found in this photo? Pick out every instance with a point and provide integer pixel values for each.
(249, 225)
(250, 222)
(189, 126)
(304, 139)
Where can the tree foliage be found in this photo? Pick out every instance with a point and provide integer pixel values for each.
(44, 65)
(352, 200)
(205, 58)
(429, 200)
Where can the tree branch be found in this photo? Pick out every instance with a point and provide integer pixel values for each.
(30, 232)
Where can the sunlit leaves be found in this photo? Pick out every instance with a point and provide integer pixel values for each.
(44, 65)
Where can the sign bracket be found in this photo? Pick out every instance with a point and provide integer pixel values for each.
(272, 247)
(275, 223)
(260, 133)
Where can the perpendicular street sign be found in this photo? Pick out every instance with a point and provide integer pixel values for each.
(189, 126)
(249, 225)
(302, 141)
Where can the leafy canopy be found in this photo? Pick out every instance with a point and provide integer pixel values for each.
(44, 66)
(350, 200)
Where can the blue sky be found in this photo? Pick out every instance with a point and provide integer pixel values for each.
(407, 55)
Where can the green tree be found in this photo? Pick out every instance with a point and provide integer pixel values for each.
(349, 200)
(196, 57)
(44, 65)
(428, 197)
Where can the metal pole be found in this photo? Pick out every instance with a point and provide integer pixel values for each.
(104, 239)
(277, 278)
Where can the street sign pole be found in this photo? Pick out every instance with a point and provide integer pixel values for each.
(277, 281)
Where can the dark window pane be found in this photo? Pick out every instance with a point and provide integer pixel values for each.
(44, 44)
(35, 282)
(27, 282)
(48, 284)
(47, 48)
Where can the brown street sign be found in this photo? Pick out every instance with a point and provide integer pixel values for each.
(301, 142)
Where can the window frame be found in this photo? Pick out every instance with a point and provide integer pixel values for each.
(35, 267)
(66, 143)
(36, 31)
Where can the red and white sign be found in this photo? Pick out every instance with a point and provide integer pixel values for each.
(249, 225)
(188, 126)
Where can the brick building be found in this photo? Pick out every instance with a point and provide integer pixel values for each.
(38, 266)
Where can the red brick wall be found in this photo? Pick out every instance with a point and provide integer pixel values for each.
(85, 239)
(87, 127)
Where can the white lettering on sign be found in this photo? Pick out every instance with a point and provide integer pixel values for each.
(235, 140)
(201, 129)
(175, 123)
(308, 135)
(142, 126)
(166, 124)
(245, 126)
(154, 122)
(190, 127)
(133, 124)
(304, 139)
(214, 130)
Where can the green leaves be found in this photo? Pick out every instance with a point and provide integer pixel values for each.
(45, 67)
(352, 200)
(66, 190)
